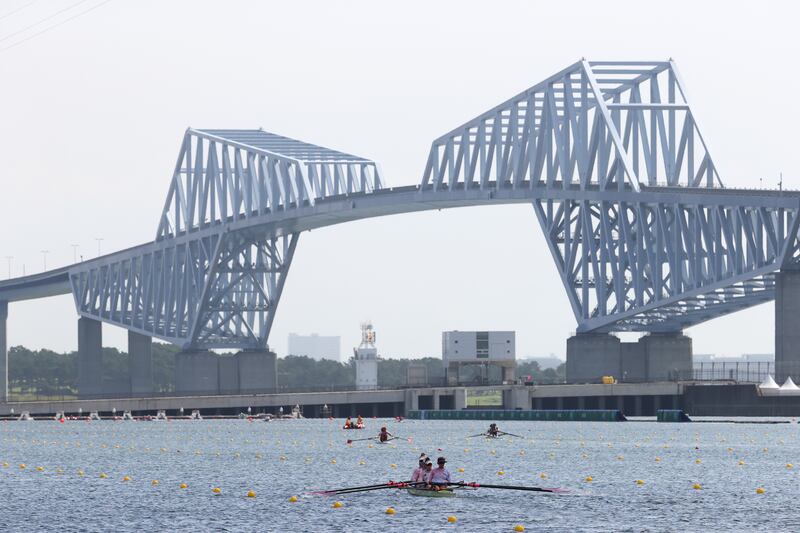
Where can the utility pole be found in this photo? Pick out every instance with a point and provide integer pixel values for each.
(9, 258)
(74, 253)
(99, 240)
(44, 259)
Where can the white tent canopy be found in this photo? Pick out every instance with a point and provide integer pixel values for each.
(789, 388)
(768, 383)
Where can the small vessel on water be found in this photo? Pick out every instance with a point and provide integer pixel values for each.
(430, 493)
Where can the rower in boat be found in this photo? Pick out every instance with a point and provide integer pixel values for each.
(384, 435)
(418, 475)
(494, 431)
(439, 477)
(348, 424)
(360, 422)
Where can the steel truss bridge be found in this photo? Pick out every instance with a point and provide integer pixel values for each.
(643, 233)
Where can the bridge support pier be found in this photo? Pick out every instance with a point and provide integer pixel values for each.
(787, 325)
(655, 357)
(516, 398)
(668, 356)
(90, 357)
(3, 352)
(412, 400)
(196, 372)
(590, 356)
(140, 363)
(258, 371)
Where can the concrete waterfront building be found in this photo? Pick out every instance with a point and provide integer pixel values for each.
(315, 346)
(479, 356)
(366, 356)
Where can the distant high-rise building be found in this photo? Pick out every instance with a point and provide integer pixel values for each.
(315, 346)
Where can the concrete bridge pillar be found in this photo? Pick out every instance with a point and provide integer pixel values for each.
(3, 352)
(668, 356)
(140, 363)
(196, 372)
(435, 400)
(258, 371)
(460, 399)
(787, 325)
(90, 357)
(590, 356)
(412, 400)
(517, 398)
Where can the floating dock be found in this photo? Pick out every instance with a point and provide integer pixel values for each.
(567, 415)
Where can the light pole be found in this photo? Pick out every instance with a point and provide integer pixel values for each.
(9, 258)
(74, 253)
(44, 259)
(99, 240)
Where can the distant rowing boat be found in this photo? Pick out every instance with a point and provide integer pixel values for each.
(444, 493)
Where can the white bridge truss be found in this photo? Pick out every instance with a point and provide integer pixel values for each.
(643, 233)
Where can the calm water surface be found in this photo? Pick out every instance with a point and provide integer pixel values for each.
(280, 459)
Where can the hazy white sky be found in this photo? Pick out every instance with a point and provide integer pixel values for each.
(93, 112)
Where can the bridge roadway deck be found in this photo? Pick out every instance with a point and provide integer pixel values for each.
(515, 396)
(390, 201)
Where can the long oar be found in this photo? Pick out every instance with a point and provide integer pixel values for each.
(507, 487)
(511, 434)
(390, 485)
(478, 435)
(349, 441)
(334, 491)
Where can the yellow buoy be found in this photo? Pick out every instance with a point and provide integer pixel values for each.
(5, 465)
(658, 459)
(543, 475)
(216, 490)
(184, 486)
(759, 490)
(589, 479)
(103, 475)
(333, 461)
(788, 465)
(461, 469)
(251, 494)
(337, 505)
(80, 472)
(519, 527)
(500, 473)
(389, 510)
(22, 466)
(640, 482)
(126, 478)
(154, 482)
(452, 519)
(741, 462)
(40, 468)
(393, 465)
(697, 461)
(293, 499)
(696, 486)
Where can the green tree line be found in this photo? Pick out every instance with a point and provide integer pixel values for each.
(46, 372)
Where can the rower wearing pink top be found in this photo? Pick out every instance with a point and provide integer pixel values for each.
(439, 477)
(418, 476)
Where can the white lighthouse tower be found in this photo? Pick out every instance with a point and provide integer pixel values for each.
(366, 359)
